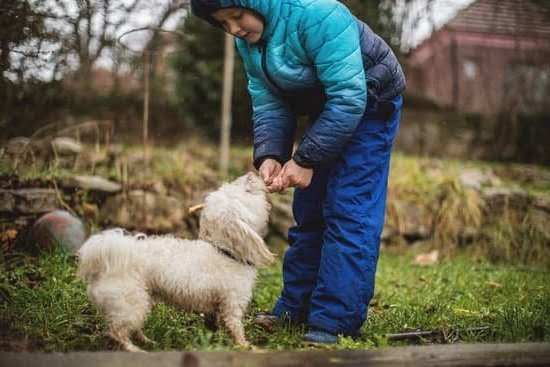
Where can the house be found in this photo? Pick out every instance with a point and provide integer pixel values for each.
(492, 57)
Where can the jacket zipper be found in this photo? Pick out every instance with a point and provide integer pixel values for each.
(263, 52)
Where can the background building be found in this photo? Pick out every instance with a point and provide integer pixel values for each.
(492, 56)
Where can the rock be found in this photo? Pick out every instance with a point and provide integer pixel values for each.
(66, 146)
(476, 179)
(389, 232)
(115, 149)
(159, 188)
(143, 210)
(28, 201)
(17, 145)
(94, 183)
(535, 208)
(540, 212)
(500, 199)
(532, 175)
(542, 202)
(54, 229)
(411, 220)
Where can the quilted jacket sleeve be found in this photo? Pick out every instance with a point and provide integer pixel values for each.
(274, 125)
(330, 37)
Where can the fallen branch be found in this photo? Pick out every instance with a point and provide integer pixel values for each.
(60, 199)
(439, 333)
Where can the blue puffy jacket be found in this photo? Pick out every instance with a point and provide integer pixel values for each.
(314, 58)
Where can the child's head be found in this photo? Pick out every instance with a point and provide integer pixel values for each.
(240, 22)
(242, 18)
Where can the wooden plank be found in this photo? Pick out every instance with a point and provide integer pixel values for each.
(531, 354)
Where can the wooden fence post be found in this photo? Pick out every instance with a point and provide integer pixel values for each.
(225, 134)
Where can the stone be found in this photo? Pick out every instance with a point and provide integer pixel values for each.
(500, 199)
(143, 210)
(93, 183)
(389, 232)
(66, 146)
(17, 145)
(523, 205)
(476, 179)
(54, 229)
(160, 188)
(542, 202)
(540, 213)
(411, 220)
(28, 201)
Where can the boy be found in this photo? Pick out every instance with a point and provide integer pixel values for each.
(314, 58)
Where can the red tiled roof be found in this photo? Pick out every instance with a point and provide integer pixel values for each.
(517, 17)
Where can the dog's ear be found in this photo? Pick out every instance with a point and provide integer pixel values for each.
(247, 244)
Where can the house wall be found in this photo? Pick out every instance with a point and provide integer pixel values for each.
(473, 71)
(428, 71)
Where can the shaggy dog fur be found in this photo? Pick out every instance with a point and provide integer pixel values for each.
(214, 275)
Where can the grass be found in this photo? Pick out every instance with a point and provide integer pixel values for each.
(44, 307)
(460, 217)
(460, 294)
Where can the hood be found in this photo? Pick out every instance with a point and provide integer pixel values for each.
(269, 11)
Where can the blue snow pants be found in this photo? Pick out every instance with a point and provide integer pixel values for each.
(329, 268)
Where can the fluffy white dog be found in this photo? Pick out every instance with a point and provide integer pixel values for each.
(214, 275)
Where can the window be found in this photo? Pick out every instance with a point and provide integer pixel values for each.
(470, 69)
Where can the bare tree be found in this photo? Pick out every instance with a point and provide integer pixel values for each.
(19, 23)
(86, 30)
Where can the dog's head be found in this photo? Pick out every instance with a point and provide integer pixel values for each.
(236, 218)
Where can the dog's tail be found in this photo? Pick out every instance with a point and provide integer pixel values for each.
(107, 252)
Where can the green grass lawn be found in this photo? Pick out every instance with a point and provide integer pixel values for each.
(44, 307)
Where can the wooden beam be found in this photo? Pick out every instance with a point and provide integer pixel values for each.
(528, 354)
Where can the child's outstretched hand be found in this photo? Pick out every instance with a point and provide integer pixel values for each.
(269, 169)
(291, 175)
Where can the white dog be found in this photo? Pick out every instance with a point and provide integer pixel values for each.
(214, 275)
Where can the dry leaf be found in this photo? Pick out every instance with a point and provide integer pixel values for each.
(492, 284)
(90, 210)
(426, 259)
(10, 234)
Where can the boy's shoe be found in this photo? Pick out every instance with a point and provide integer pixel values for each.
(318, 337)
(267, 321)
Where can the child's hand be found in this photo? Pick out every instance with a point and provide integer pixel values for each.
(269, 169)
(292, 175)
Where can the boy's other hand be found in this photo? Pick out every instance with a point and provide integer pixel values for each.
(269, 169)
(291, 175)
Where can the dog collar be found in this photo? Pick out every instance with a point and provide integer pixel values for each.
(229, 254)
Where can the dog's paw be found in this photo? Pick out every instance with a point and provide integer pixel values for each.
(243, 346)
(144, 339)
(133, 348)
